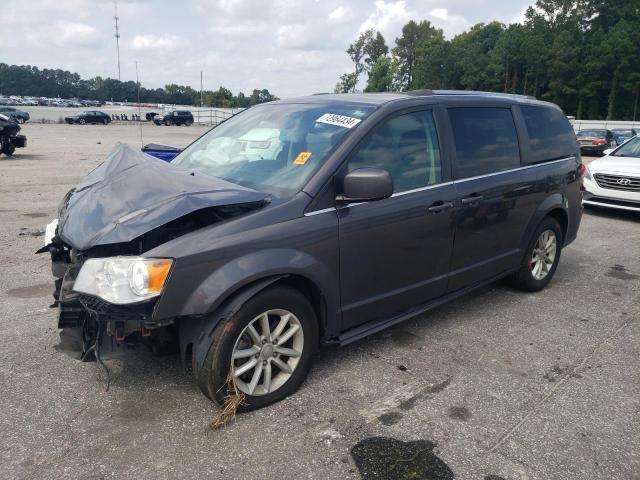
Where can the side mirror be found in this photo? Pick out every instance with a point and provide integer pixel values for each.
(608, 151)
(365, 185)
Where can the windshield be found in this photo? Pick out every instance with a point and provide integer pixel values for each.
(629, 149)
(273, 147)
(592, 133)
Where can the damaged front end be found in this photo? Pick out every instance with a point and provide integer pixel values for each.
(106, 289)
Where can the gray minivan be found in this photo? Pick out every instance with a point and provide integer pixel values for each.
(312, 221)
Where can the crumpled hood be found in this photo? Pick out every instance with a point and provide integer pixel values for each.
(131, 193)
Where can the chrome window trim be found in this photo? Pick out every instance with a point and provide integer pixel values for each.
(428, 187)
(542, 164)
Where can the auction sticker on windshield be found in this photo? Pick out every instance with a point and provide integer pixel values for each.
(339, 120)
(302, 158)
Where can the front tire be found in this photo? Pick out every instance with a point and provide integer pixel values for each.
(541, 258)
(268, 345)
(20, 120)
(82, 121)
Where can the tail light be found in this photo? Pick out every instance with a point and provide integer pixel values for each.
(599, 142)
(581, 171)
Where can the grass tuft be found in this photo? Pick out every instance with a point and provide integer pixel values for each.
(232, 401)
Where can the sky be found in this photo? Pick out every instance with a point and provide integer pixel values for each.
(291, 47)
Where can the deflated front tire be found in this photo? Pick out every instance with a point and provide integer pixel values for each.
(266, 349)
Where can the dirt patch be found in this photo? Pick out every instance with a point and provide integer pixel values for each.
(390, 418)
(620, 272)
(381, 458)
(558, 371)
(33, 291)
(459, 413)
(35, 215)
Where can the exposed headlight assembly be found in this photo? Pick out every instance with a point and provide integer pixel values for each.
(122, 280)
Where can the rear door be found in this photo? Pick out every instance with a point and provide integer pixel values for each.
(395, 253)
(494, 195)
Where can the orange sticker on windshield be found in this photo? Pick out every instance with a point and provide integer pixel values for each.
(302, 158)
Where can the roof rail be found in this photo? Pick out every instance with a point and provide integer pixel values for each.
(425, 92)
(474, 92)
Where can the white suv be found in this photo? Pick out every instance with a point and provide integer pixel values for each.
(614, 180)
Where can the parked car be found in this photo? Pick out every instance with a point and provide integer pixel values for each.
(90, 116)
(250, 263)
(17, 115)
(150, 116)
(595, 141)
(10, 139)
(177, 117)
(621, 135)
(613, 181)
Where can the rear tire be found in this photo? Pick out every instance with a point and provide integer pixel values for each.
(105, 121)
(278, 304)
(188, 123)
(541, 258)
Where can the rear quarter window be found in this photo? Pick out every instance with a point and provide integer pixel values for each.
(486, 141)
(550, 134)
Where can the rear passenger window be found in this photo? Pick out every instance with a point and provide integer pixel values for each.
(485, 139)
(551, 135)
(407, 147)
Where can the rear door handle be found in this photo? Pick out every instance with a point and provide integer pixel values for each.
(440, 206)
(471, 200)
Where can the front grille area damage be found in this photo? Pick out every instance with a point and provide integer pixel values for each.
(103, 329)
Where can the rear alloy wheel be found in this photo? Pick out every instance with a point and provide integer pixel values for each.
(543, 255)
(541, 259)
(266, 348)
(105, 121)
(82, 121)
(167, 122)
(188, 123)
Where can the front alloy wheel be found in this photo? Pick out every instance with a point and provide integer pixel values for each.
(544, 254)
(267, 352)
(265, 349)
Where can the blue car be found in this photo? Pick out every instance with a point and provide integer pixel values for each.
(621, 135)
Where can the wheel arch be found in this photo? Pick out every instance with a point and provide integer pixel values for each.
(556, 206)
(194, 331)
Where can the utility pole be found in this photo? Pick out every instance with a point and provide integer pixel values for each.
(117, 35)
(201, 102)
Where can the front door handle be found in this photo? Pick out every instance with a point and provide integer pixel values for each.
(471, 200)
(440, 206)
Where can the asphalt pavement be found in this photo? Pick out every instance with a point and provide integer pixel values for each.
(496, 385)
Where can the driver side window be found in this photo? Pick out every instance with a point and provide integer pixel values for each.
(407, 147)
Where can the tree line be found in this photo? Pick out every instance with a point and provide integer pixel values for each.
(583, 55)
(30, 81)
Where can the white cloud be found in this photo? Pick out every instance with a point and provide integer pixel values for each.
(158, 42)
(441, 13)
(387, 18)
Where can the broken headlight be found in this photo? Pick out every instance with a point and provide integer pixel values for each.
(123, 280)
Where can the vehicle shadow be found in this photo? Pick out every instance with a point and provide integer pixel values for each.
(612, 213)
(22, 156)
